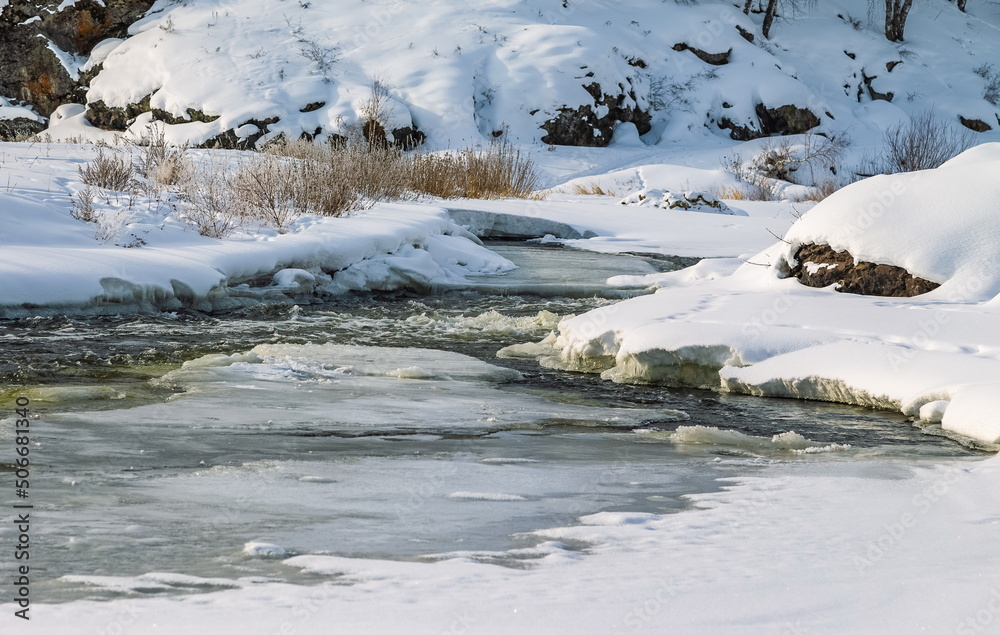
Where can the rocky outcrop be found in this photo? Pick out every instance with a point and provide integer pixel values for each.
(19, 128)
(783, 120)
(821, 266)
(242, 137)
(31, 73)
(874, 94)
(715, 59)
(582, 126)
(114, 117)
(976, 125)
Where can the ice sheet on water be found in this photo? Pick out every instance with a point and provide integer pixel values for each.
(341, 390)
(709, 435)
(484, 496)
(256, 549)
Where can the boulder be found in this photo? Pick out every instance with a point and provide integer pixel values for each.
(715, 59)
(582, 126)
(821, 266)
(976, 125)
(783, 120)
(19, 128)
(30, 72)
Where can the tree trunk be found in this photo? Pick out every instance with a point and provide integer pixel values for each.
(746, 7)
(896, 12)
(961, 5)
(772, 8)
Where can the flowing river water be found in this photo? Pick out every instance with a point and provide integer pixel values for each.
(375, 426)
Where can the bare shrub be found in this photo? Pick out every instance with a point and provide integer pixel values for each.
(83, 205)
(776, 161)
(110, 171)
(207, 202)
(160, 163)
(922, 143)
(991, 92)
(376, 111)
(808, 162)
(266, 188)
(357, 174)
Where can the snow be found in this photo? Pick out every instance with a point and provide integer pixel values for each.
(743, 327)
(50, 260)
(10, 111)
(864, 534)
(827, 547)
(461, 72)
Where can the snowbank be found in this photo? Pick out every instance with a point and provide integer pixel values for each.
(746, 328)
(50, 261)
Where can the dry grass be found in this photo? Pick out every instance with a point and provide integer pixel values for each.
(498, 171)
(590, 189)
(760, 189)
(289, 179)
(819, 192)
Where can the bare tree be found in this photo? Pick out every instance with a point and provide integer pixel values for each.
(769, 12)
(896, 12)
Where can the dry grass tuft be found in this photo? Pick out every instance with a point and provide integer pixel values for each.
(590, 189)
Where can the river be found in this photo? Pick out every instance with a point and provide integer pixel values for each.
(373, 426)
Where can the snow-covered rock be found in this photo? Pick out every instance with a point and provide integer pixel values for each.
(693, 201)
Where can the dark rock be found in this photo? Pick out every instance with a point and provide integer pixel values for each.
(316, 105)
(864, 278)
(874, 94)
(891, 65)
(850, 55)
(976, 125)
(30, 72)
(19, 128)
(747, 35)
(229, 140)
(581, 126)
(114, 117)
(408, 138)
(739, 132)
(192, 115)
(715, 59)
(785, 120)
(311, 136)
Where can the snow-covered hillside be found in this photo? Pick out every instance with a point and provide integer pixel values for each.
(535, 71)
